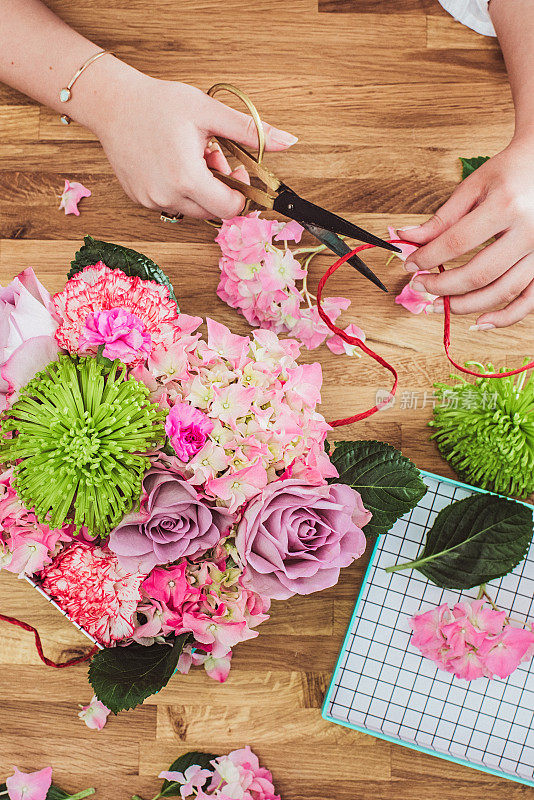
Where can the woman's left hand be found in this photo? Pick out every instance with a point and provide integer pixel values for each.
(497, 200)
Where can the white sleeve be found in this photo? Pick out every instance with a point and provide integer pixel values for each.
(473, 13)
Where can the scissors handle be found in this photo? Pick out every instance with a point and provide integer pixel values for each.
(251, 164)
(258, 196)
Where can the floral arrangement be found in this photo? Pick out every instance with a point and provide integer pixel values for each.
(235, 776)
(163, 488)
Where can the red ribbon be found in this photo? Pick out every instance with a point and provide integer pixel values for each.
(382, 361)
(49, 663)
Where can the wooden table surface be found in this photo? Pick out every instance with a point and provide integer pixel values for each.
(384, 96)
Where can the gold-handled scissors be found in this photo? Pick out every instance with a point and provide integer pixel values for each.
(272, 193)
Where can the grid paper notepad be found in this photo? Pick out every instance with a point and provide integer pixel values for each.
(383, 686)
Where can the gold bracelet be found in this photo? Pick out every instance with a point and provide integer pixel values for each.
(65, 93)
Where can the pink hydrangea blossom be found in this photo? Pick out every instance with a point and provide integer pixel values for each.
(29, 785)
(206, 599)
(416, 301)
(191, 780)
(291, 232)
(242, 776)
(90, 586)
(123, 335)
(188, 430)
(471, 640)
(27, 545)
(263, 408)
(72, 194)
(260, 280)
(339, 346)
(95, 714)
(216, 668)
(244, 238)
(236, 776)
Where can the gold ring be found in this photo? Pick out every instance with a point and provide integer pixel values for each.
(164, 217)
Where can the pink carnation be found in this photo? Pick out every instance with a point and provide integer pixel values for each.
(473, 640)
(90, 586)
(99, 288)
(123, 335)
(187, 429)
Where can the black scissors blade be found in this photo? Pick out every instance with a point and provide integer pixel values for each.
(338, 246)
(291, 205)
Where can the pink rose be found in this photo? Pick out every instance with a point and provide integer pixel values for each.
(187, 429)
(173, 523)
(27, 328)
(294, 538)
(123, 335)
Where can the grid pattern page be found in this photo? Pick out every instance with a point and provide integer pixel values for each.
(384, 685)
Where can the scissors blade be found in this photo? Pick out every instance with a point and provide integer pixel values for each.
(338, 246)
(291, 205)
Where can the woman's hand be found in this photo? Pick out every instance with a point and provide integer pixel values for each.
(156, 133)
(497, 200)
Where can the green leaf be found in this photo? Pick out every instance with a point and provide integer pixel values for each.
(172, 788)
(115, 256)
(122, 677)
(55, 793)
(390, 485)
(469, 165)
(474, 541)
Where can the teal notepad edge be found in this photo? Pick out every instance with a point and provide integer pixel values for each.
(464, 762)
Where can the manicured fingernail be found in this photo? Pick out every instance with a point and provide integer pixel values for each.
(417, 286)
(283, 137)
(437, 306)
(241, 174)
(482, 326)
(409, 266)
(407, 228)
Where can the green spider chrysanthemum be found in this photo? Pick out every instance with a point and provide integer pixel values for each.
(485, 430)
(81, 431)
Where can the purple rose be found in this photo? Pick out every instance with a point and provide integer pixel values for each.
(295, 538)
(174, 522)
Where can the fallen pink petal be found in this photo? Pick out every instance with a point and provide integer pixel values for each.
(414, 301)
(406, 249)
(72, 194)
(29, 785)
(95, 715)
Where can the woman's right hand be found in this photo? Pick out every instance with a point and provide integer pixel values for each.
(156, 133)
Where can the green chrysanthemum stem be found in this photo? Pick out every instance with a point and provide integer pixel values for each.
(80, 432)
(485, 430)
